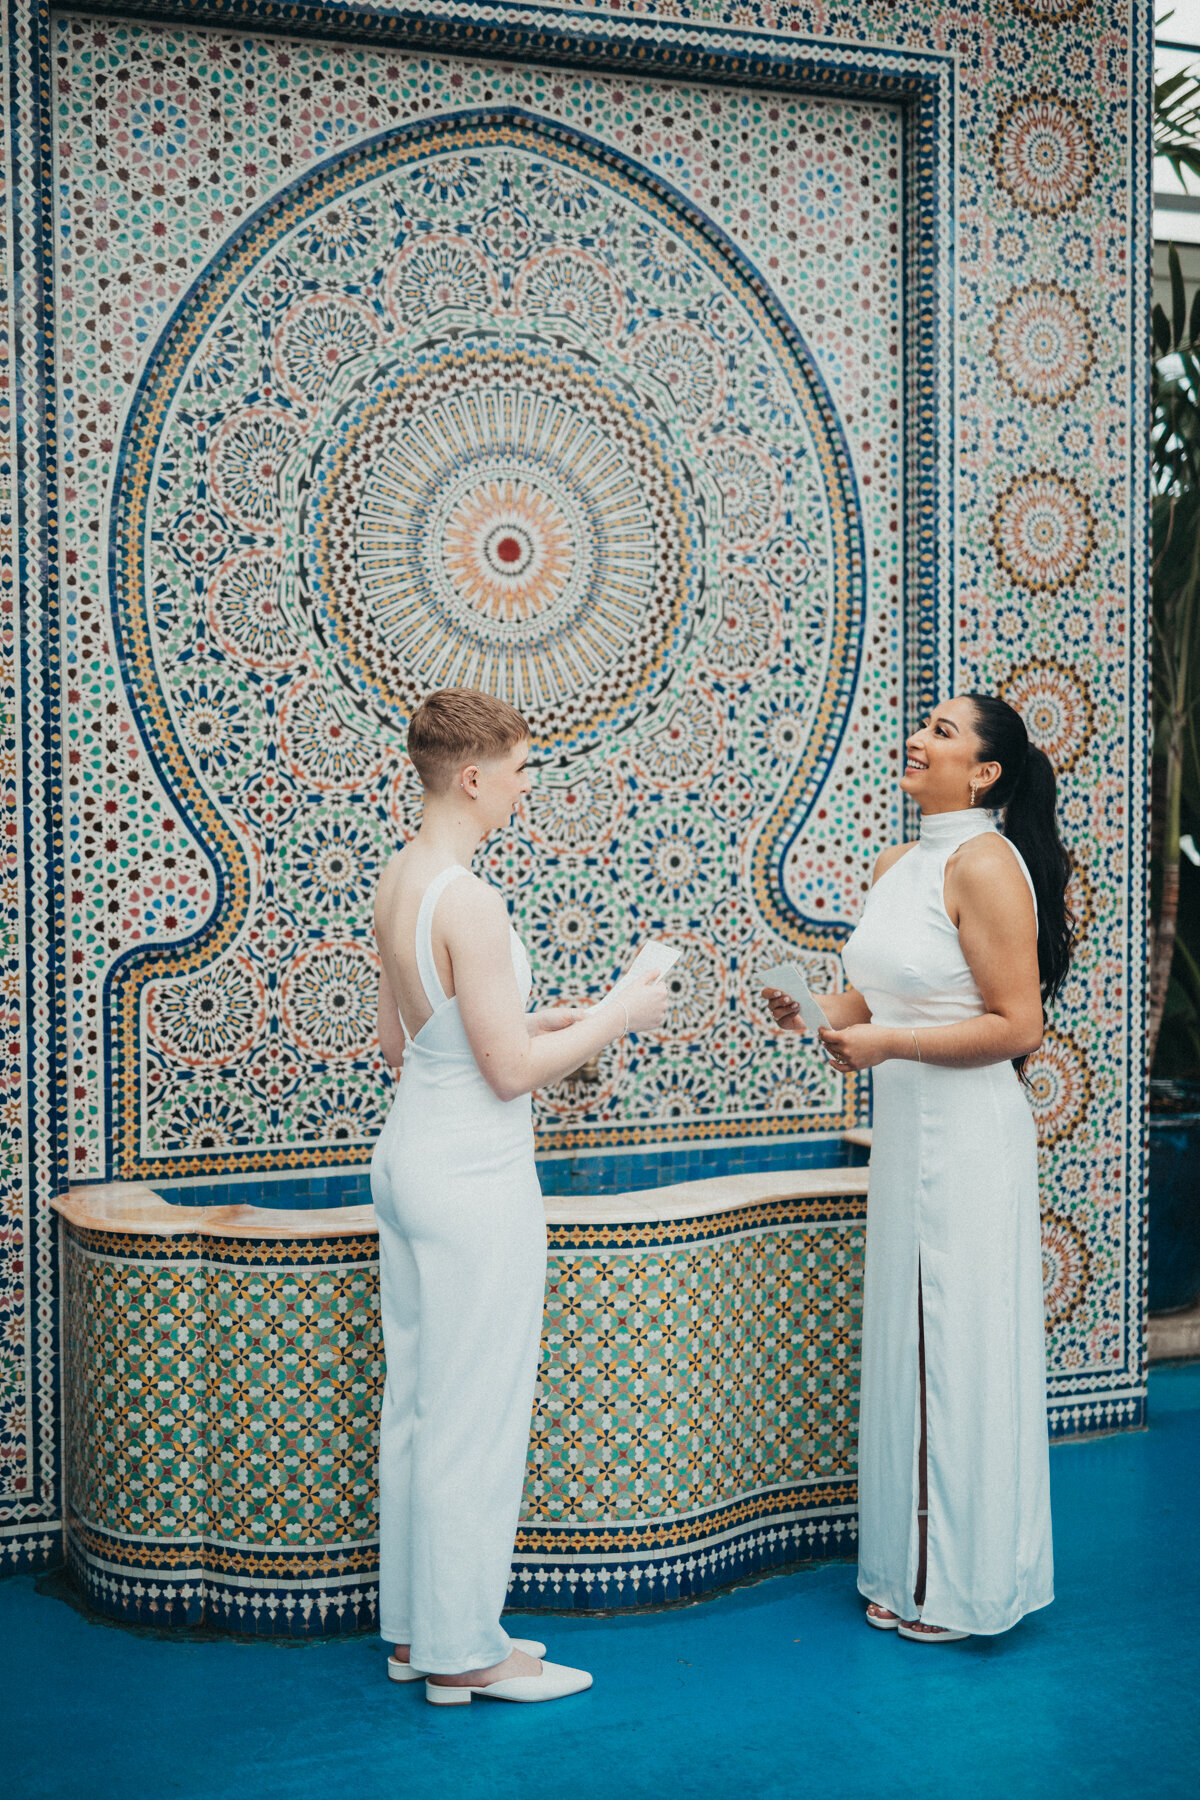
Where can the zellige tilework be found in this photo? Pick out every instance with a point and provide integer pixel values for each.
(939, 267)
(698, 1390)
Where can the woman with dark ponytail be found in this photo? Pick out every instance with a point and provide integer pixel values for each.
(961, 946)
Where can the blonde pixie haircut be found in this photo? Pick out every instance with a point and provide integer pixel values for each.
(456, 726)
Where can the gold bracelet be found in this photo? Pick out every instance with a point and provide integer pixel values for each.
(912, 1034)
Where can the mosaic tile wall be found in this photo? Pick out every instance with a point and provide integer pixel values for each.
(16, 1460)
(696, 1416)
(716, 267)
(471, 342)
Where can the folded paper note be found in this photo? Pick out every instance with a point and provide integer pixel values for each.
(654, 958)
(788, 977)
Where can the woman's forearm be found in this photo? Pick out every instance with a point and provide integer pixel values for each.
(847, 1008)
(542, 1060)
(972, 1044)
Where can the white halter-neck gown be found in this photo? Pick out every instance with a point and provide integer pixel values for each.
(953, 1197)
(462, 1267)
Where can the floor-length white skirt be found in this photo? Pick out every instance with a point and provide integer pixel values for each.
(953, 1204)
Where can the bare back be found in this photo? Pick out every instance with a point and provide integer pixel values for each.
(402, 887)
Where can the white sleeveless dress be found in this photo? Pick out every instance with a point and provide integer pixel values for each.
(953, 1195)
(462, 1254)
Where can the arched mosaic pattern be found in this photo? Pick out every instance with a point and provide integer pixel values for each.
(479, 402)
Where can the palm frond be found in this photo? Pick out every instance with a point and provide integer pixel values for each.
(1177, 122)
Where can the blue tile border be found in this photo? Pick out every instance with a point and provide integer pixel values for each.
(630, 1171)
(610, 1172)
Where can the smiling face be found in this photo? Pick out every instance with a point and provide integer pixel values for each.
(943, 758)
(498, 785)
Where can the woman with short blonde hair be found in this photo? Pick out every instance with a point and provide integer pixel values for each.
(462, 1239)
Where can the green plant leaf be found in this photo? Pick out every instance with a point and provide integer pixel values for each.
(1194, 320)
(1162, 329)
(1178, 298)
(1183, 158)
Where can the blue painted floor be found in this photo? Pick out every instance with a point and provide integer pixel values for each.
(777, 1690)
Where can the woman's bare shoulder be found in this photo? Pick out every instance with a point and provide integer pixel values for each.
(886, 858)
(472, 900)
(985, 856)
(985, 872)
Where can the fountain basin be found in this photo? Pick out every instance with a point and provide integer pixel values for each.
(695, 1420)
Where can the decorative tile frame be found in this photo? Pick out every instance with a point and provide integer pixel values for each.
(128, 982)
(1103, 1386)
(923, 85)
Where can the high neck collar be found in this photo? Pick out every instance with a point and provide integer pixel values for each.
(947, 830)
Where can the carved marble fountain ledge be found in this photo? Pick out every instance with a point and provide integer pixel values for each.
(696, 1418)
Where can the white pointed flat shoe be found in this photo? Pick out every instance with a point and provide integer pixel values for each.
(929, 1634)
(555, 1682)
(400, 1671)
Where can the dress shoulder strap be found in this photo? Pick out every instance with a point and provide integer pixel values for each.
(435, 993)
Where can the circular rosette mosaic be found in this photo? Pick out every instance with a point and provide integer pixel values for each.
(1066, 1268)
(205, 1119)
(329, 865)
(503, 520)
(210, 1019)
(1061, 1087)
(573, 816)
(1043, 344)
(1044, 153)
(696, 986)
(1043, 531)
(329, 997)
(1054, 701)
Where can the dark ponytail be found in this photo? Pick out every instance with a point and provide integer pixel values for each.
(1026, 792)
